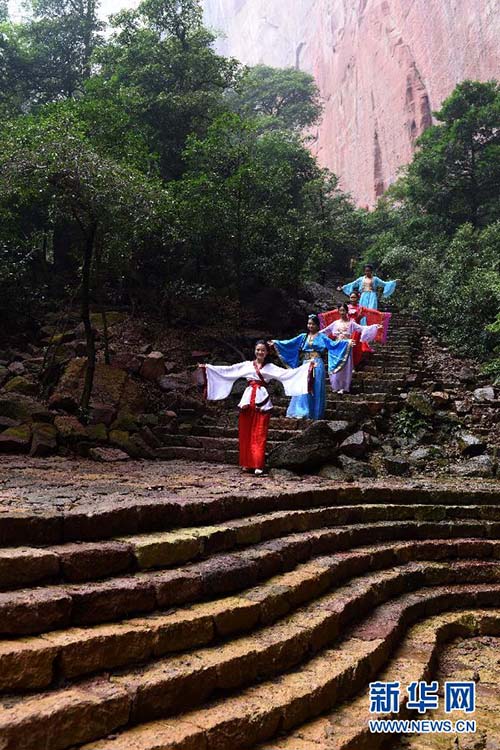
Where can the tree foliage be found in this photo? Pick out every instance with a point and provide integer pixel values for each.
(438, 227)
(455, 175)
(287, 98)
(161, 66)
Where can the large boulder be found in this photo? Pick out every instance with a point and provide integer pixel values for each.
(470, 445)
(356, 469)
(466, 374)
(484, 394)
(478, 466)
(315, 446)
(340, 428)
(8, 422)
(17, 408)
(112, 387)
(332, 472)
(128, 362)
(125, 421)
(421, 403)
(69, 428)
(44, 441)
(153, 367)
(441, 399)
(132, 445)
(107, 455)
(15, 439)
(20, 384)
(97, 432)
(397, 466)
(102, 414)
(420, 456)
(16, 368)
(4, 374)
(355, 446)
(463, 407)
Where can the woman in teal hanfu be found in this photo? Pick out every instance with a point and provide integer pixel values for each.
(306, 346)
(368, 286)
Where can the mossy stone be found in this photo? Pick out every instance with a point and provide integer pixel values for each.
(20, 384)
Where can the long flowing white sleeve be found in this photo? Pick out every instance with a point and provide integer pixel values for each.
(295, 381)
(221, 378)
(368, 333)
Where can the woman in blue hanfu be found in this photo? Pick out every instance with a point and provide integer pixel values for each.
(368, 285)
(312, 345)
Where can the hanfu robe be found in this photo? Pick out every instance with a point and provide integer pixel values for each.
(255, 405)
(291, 352)
(368, 288)
(359, 314)
(344, 331)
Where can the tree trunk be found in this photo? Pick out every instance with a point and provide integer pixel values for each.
(107, 358)
(89, 333)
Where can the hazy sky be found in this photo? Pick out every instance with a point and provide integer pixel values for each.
(107, 7)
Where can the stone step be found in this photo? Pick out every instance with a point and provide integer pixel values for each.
(275, 434)
(346, 727)
(42, 661)
(381, 374)
(88, 561)
(260, 712)
(369, 387)
(221, 442)
(215, 455)
(369, 371)
(37, 610)
(161, 510)
(353, 407)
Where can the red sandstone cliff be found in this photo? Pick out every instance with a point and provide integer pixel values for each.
(382, 67)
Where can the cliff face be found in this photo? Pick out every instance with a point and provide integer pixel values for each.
(382, 67)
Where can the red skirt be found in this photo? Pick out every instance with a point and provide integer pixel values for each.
(253, 428)
(360, 351)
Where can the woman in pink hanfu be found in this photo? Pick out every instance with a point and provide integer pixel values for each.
(341, 330)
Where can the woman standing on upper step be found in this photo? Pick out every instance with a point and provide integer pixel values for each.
(367, 286)
(358, 314)
(344, 329)
(255, 405)
(312, 346)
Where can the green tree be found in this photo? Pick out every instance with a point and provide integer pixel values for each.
(288, 98)
(16, 69)
(46, 161)
(247, 206)
(61, 36)
(455, 175)
(161, 64)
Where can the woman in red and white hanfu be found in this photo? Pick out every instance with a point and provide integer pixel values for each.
(255, 405)
(344, 329)
(358, 314)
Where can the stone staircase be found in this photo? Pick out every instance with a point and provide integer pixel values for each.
(376, 391)
(234, 621)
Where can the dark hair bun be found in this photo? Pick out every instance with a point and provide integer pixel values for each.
(314, 319)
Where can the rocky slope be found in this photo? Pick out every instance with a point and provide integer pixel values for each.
(414, 410)
(383, 66)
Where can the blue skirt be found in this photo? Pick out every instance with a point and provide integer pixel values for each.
(370, 300)
(311, 405)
